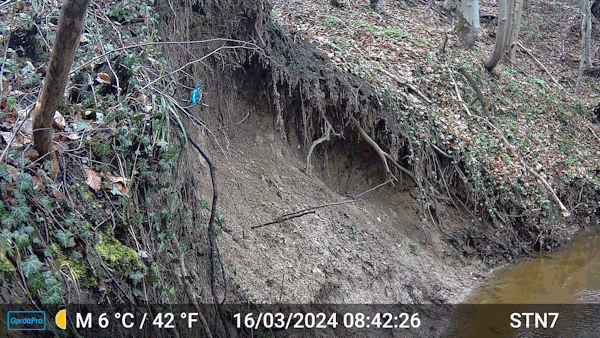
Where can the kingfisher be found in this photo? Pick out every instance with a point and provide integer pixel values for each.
(196, 94)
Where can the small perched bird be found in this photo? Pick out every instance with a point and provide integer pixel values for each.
(196, 94)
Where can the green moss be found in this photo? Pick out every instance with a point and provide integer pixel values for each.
(78, 266)
(117, 255)
(5, 264)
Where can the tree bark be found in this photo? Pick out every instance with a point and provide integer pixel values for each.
(491, 63)
(509, 21)
(70, 25)
(516, 28)
(586, 31)
(468, 25)
(470, 10)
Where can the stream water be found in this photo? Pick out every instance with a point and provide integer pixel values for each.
(566, 281)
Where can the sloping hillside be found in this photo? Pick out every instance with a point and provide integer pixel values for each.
(352, 160)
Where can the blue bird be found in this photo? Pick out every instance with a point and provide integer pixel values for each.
(196, 94)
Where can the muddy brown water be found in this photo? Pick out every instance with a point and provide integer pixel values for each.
(566, 281)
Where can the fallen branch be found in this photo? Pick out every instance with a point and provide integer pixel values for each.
(460, 99)
(406, 84)
(593, 133)
(300, 213)
(537, 61)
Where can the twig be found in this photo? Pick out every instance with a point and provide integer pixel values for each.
(592, 130)
(283, 219)
(403, 83)
(244, 44)
(566, 212)
(367, 191)
(301, 213)
(460, 99)
(537, 61)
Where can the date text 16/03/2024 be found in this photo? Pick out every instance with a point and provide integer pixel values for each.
(321, 320)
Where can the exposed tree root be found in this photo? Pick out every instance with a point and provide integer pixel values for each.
(326, 137)
(383, 155)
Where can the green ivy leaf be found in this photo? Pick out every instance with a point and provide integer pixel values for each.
(35, 283)
(66, 238)
(31, 266)
(20, 213)
(136, 277)
(21, 239)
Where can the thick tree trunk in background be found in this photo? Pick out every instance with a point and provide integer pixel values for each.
(516, 27)
(491, 63)
(468, 26)
(70, 25)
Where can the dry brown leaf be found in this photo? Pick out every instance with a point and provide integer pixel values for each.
(59, 121)
(92, 179)
(103, 78)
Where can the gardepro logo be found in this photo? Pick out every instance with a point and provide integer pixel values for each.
(26, 320)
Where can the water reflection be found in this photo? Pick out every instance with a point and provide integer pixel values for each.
(570, 275)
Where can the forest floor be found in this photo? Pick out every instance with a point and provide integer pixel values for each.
(126, 220)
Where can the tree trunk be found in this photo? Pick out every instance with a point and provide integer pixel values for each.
(468, 25)
(514, 32)
(586, 31)
(491, 63)
(70, 25)
(470, 10)
(509, 21)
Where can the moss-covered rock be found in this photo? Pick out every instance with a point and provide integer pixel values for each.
(117, 255)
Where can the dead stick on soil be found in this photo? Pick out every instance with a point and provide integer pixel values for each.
(566, 212)
(537, 61)
(593, 133)
(403, 83)
(368, 191)
(460, 99)
(301, 213)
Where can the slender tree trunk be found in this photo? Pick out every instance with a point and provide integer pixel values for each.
(509, 21)
(586, 29)
(70, 25)
(514, 33)
(491, 63)
(588, 35)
